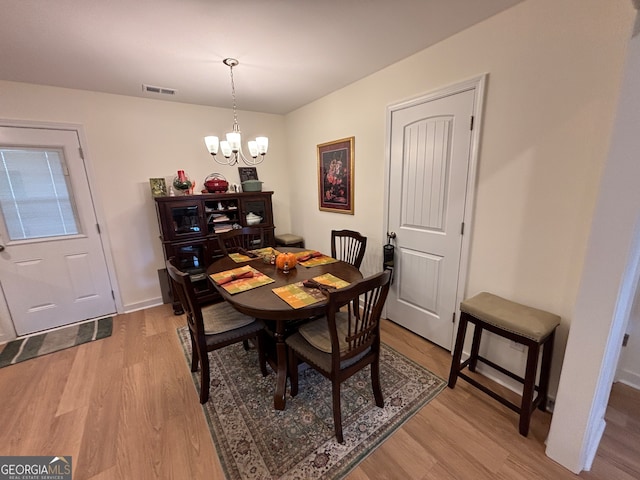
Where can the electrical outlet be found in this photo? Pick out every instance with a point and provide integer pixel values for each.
(516, 346)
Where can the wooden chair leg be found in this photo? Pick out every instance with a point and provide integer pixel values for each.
(375, 382)
(337, 412)
(194, 353)
(457, 351)
(205, 379)
(245, 344)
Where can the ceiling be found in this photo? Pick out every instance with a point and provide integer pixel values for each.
(291, 52)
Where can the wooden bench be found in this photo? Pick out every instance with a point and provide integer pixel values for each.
(525, 325)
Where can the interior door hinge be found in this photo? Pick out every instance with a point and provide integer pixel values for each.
(81, 152)
(625, 340)
(113, 295)
(453, 318)
(462, 229)
(471, 123)
(98, 228)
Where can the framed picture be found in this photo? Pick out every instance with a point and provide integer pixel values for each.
(335, 175)
(248, 173)
(158, 187)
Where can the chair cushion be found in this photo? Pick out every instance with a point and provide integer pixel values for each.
(510, 316)
(317, 332)
(222, 317)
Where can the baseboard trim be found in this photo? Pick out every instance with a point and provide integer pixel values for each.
(134, 307)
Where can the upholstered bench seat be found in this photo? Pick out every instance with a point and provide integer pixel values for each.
(528, 326)
(511, 316)
(289, 240)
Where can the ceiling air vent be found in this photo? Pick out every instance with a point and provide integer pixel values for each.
(160, 90)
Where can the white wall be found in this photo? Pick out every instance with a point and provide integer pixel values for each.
(554, 73)
(130, 140)
(609, 284)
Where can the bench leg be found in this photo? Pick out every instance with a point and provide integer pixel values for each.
(475, 347)
(529, 388)
(545, 371)
(457, 351)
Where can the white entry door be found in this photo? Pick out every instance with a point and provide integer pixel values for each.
(52, 265)
(429, 159)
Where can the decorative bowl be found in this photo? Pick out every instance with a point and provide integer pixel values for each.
(253, 219)
(252, 186)
(216, 183)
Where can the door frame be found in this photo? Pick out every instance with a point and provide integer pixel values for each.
(478, 84)
(7, 330)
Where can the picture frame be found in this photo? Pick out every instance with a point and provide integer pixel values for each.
(248, 173)
(336, 160)
(158, 187)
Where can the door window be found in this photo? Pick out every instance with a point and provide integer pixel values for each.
(35, 196)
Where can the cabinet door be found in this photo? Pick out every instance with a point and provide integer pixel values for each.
(182, 219)
(256, 211)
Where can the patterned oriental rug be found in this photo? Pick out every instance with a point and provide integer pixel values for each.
(255, 441)
(54, 340)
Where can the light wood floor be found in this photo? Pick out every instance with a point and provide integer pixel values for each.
(126, 408)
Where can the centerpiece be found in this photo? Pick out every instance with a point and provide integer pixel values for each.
(182, 182)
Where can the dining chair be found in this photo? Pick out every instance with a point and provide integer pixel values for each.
(213, 327)
(246, 238)
(348, 246)
(344, 341)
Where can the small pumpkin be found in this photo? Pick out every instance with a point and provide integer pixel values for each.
(288, 258)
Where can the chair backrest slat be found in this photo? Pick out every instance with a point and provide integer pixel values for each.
(348, 246)
(246, 238)
(364, 300)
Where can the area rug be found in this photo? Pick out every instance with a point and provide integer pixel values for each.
(55, 340)
(255, 441)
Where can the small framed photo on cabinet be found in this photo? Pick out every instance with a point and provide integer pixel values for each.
(158, 187)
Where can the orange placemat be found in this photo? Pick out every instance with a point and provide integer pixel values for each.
(265, 251)
(315, 261)
(239, 257)
(242, 284)
(298, 296)
(317, 258)
(260, 252)
(331, 281)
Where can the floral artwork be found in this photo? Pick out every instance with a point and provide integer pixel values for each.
(335, 175)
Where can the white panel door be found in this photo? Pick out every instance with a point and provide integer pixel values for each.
(430, 144)
(52, 266)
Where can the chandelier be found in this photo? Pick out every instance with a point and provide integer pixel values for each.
(231, 148)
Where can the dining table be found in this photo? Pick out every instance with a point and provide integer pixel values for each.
(264, 303)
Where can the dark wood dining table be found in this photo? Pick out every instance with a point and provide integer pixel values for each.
(263, 303)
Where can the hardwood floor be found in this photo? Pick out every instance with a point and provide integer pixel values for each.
(126, 408)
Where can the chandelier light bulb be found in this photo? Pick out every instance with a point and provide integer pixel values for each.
(226, 149)
(212, 144)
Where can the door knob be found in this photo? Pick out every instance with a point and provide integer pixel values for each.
(391, 235)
